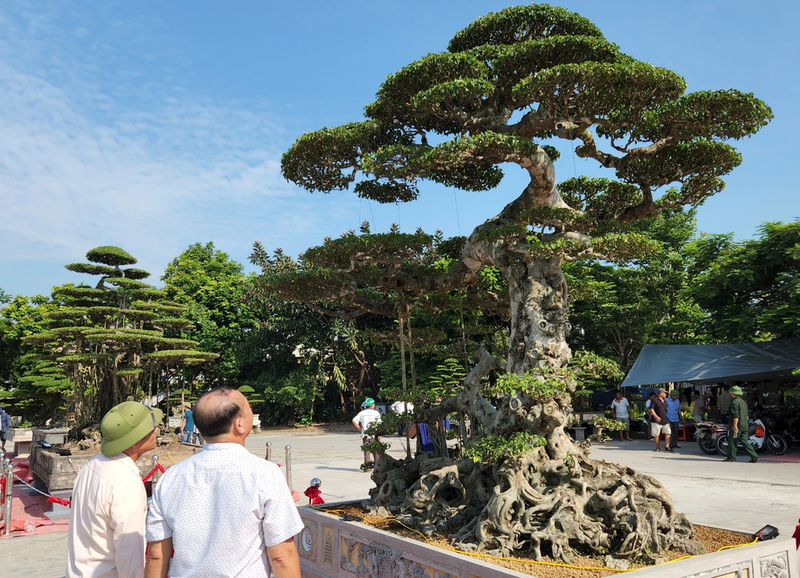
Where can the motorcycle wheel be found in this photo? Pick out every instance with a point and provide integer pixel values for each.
(722, 444)
(776, 444)
(762, 448)
(707, 445)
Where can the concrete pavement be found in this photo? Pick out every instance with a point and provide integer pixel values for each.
(737, 496)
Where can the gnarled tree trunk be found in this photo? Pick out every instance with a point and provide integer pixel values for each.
(553, 500)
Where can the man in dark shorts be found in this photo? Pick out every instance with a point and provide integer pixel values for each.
(659, 425)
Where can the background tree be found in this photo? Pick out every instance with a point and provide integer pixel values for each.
(509, 82)
(212, 287)
(34, 387)
(617, 309)
(109, 339)
(749, 289)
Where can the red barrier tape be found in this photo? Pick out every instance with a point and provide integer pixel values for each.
(158, 468)
(62, 501)
(22, 466)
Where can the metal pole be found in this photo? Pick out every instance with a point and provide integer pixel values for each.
(155, 474)
(8, 471)
(289, 467)
(268, 457)
(2, 474)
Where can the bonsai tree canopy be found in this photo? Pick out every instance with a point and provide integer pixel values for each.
(509, 87)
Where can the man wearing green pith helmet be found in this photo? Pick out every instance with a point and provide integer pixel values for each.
(109, 505)
(738, 427)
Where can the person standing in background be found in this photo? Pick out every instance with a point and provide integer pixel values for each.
(187, 424)
(5, 425)
(648, 418)
(700, 406)
(724, 400)
(619, 411)
(660, 425)
(674, 417)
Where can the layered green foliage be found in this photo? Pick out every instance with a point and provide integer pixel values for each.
(492, 449)
(97, 344)
(561, 75)
(616, 309)
(210, 289)
(751, 289)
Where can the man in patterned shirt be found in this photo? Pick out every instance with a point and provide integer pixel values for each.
(224, 511)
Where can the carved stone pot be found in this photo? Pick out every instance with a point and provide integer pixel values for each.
(331, 548)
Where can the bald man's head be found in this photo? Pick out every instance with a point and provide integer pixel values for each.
(215, 411)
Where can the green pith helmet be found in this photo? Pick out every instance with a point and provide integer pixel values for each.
(735, 390)
(125, 424)
(369, 402)
(675, 392)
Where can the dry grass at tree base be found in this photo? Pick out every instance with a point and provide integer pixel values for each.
(712, 538)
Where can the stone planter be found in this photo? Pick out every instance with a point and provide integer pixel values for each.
(56, 474)
(52, 436)
(22, 438)
(332, 548)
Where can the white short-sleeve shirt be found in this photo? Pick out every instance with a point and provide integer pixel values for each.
(366, 418)
(620, 408)
(107, 521)
(400, 407)
(222, 508)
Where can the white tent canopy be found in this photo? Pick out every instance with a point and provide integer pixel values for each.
(767, 361)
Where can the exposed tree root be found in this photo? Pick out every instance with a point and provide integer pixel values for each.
(536, 505)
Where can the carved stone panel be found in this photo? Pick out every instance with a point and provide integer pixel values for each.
(367, 559)
(327, 546)
(308, 540)
(775, 566)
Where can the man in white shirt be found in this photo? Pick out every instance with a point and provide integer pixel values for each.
(619, 411)
(224, 511)
(362, 421)
(402, 407)
(109, 504)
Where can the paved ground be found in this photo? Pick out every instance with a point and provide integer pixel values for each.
(740, 496)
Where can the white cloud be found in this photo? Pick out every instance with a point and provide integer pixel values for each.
(83, 163)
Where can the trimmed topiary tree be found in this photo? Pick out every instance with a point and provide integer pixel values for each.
(511, 84)
(110, 340)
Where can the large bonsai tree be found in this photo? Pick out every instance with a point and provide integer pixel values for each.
(111, 340)
(510, 83)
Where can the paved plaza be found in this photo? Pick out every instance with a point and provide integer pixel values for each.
(737, 496)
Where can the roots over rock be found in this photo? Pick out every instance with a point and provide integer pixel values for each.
(535, 505)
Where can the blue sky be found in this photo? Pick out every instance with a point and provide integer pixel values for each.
(154, 125)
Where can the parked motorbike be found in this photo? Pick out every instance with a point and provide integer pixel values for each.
(787, 424)
(707, 433)
(760, 439)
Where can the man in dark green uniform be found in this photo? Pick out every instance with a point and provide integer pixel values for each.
(738, 426)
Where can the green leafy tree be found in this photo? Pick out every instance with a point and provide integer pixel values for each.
(750, 289)
(509, 85)
(108, 339)
(34, 387)
(297, 328)
(617, 309)
(212, 287)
